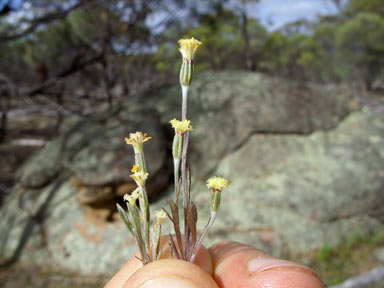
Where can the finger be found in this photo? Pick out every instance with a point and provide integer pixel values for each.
(239, 265)
(203, 260)
(170, 273)
(124, 273)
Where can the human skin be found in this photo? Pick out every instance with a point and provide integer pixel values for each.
(224, 265)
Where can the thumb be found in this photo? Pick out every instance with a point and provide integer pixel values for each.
(170, 273)
(203, 260)
(239, 265)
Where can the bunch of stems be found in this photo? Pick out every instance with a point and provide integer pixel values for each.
(187, 245)
(137, 219)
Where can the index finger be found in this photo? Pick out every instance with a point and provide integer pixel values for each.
(238, 265)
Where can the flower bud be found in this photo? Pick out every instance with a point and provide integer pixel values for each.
(215, 200)
(188, 48)
(177, 146)
(186, 72)
(217, 184)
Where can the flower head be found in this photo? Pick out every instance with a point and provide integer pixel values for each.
(135, 168)
(188, 47)
(217, 183)
(160, 217)
(139, 177)
(136, 140)
(181, 126)
(132, 197)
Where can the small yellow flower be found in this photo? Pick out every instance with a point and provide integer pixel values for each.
(160, 217)
(139, 177)
(135, 168)
(136, 140)
(217, 183)
(181, 126)
(133, 197)
(188, 47)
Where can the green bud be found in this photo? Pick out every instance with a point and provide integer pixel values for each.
(215, 200)
(177, 146)
(186, 72)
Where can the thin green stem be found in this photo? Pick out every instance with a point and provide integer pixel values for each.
(184, 90)
(145, 213)
(176, 167)
(140, 161)
(203, 235)
(156, 242)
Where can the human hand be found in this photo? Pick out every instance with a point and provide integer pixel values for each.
(225, 265)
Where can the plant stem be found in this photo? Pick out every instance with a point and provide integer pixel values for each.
(184, 90)
(140, 161)
(176, 166)
(144, 207)
(203, 235)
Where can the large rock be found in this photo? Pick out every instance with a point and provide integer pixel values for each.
(304, 191)
(95, 154)
(305, 169)
(225, 108)
(62, 209)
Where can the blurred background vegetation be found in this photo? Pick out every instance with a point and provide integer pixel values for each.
(92, 52)
(64, 60)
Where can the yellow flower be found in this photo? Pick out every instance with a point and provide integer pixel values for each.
(188, 47)
(133, 197)
(217, 183)
(160, 216)
(136, 140)
(135, 168)
(140, 177)
(181, 126)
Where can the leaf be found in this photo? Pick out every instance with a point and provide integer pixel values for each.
(173, 247)
(176, 225)
(135, 216)
(192, 220)
(124, 217)
(168, 215)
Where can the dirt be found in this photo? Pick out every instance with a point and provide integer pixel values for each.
(21, 276)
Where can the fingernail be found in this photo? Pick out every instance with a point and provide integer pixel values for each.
(261, 264)
(169, 282)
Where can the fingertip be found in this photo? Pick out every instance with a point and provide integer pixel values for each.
(118, 280)
(170, 273)
(286, 276)
(239, 265)
(203, 260)
(223, 250)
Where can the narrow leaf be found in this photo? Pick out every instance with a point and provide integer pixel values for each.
(176, 224)
(124, 217)
(192, 220)
(173, 247)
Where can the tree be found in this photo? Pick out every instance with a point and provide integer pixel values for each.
(360, 45)
(355, 7)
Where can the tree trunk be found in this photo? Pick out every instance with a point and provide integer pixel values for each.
(3, 124)
(249, 63)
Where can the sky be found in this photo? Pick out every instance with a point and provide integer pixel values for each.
(276, 13)
(272, 13)
(13, 4)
